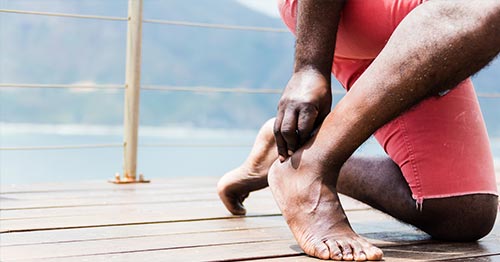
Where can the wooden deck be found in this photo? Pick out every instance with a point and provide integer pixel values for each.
(183, 220)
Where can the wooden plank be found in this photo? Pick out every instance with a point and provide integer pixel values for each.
(495, 258)
(78, 210)
(96, 233)
(164, 183)
(485, 250)
(100, 193)
(169, 240)
(189, 227)
(274, 249)
(157, 242)
(160, 205)
(124, 216)
(41, 219)
(119, 197)
(18, 204)
(445, 251)
(383, 240)
(237, 251)
(134, 244)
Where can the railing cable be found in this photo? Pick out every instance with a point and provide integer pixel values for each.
(97, 17)
(69, 86)
(61, 147)
(97, 146)
(217, 26)
(195, 145)
(194, 89)
(488, 95)
(153, 21)
(205, 89)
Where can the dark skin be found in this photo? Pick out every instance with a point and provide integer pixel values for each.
(307, 98)
(422, 58)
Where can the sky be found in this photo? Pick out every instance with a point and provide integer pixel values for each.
(268, 7)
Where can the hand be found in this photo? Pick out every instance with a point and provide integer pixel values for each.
(305, 102)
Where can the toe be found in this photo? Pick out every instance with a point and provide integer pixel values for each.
(232, 203)
(374, 253)
(357, 250)
(236, 207)
(371, 252)
(346, 250)
(317, 249)
(321, 251)
(335, 252)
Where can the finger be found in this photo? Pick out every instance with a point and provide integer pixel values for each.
(289, 130)
(305, 125)
(280, 141)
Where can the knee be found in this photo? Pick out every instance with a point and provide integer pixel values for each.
(464, 218)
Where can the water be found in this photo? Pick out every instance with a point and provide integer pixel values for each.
(102, 163)
(34, 166)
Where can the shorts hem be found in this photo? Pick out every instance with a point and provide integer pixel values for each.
(486, 192)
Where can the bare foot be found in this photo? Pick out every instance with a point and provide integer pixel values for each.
(311, 207)
(237, 184)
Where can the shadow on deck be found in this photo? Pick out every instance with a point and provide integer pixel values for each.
(183, 220)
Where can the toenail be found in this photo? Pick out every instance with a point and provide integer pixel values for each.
(290, 152)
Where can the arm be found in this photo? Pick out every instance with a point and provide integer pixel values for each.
(307, 98)
(435, 47)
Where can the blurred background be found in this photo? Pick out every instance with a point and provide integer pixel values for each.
(181, 133)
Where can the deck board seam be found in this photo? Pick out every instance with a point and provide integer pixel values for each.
(131, 224)
(141, 236)
(162, 249)
(260, 257)
(467, 256)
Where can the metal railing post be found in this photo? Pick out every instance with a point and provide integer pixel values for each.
(132, 93)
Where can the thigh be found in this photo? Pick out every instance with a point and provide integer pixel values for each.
(442, 147)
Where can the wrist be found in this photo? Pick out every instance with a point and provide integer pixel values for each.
(317, 63)
(313, 67)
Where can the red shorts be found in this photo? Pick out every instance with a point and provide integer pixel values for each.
(441, 145)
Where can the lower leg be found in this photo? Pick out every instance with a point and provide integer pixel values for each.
(379, 183)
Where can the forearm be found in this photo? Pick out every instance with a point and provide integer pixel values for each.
(316, 30)
(436, 47)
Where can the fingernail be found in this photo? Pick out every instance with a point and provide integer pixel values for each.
(281, 158)
(290, 152)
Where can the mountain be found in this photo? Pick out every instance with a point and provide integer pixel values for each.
(52, 50)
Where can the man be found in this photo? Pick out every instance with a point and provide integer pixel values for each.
(406, 65)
